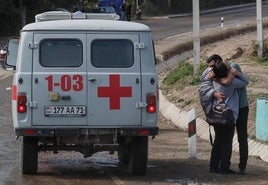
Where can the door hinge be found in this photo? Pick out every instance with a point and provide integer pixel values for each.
(32, 104)
(32, 45)
(140, 45)
(141, 105)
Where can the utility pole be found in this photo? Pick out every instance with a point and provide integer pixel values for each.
(259, 29)
(196, 35)
(22, 13)
(169, 3)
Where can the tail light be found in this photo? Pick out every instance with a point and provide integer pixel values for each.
(2, 54)
(151, 103)
(21, 103)
(28, 132)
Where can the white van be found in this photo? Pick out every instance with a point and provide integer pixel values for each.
(84, 85)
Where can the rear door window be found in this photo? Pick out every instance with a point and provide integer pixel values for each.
(61, 53)
(112, 53)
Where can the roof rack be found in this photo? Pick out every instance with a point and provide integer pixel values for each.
(61, 15)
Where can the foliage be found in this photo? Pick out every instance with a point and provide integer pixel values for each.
(148, 8)
(11, 12)
(254, 54)
(184, 73)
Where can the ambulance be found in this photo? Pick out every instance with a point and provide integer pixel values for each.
(86, 85)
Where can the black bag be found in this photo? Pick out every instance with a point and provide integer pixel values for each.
(220, 114)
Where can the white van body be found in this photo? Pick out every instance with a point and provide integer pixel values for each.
(87, 86)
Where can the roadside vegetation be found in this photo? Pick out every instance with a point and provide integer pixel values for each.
(183, 74)
(180, 86)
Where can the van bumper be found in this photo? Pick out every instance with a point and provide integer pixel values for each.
(70, 132)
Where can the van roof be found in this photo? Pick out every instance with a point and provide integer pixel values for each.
(86, 25)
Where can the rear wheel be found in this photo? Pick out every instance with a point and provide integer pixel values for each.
(138, 155)
(29, 155)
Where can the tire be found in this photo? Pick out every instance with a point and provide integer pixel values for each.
(138, 156)
(29, 155)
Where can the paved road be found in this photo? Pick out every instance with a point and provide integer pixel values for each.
(172, 26)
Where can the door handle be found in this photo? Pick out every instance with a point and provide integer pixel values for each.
(66, 97)
(92, 80)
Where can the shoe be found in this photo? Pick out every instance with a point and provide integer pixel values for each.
(212, 170)
(227, 172)
(242, 172)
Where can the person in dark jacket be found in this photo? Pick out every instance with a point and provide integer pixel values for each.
(123, 11)
(242, 124)
(128, 11)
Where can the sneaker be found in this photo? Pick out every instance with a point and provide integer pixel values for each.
(212, 170)
(227, 172)
(242, 172)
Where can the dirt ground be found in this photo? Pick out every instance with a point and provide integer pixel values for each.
(236, 49)
(184, 170)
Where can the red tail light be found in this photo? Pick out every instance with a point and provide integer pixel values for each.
(144, 132)
(29, 132)
(2, 54)
(151, 103)
(21, 103)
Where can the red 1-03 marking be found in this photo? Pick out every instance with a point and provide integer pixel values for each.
(67, 83)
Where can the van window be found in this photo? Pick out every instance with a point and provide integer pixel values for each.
(112, 53)
(61, 53)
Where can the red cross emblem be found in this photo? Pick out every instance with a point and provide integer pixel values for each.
(114, 92)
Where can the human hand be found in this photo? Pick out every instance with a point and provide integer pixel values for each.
(219, 96)
(234, 71)
(211, 74)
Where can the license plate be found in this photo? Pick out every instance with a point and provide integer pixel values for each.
(77, 110)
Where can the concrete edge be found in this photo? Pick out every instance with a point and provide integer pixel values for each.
(180, 119)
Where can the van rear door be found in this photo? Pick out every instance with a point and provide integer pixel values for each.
(59, 80)
(114, 80)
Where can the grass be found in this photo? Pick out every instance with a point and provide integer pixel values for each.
(184, 75)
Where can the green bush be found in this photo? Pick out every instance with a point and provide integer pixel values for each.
(254, 54)
(184, 73)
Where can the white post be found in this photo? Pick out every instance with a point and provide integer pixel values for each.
(192, 134)
(137, 4)
(222, 21)
(259, 29)
(169, 3)
(196, 35)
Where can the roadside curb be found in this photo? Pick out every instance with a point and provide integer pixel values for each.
(180, 119)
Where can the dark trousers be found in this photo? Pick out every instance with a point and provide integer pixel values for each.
(222, 148)
(242, 135)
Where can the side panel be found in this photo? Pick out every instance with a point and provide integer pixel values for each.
(59, 80)
(22, 80)
(149, 79)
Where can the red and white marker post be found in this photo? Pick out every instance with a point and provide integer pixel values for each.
(192, 134)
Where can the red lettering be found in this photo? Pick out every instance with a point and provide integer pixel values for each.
(67, 83)
(49, 83)
(78, 86)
